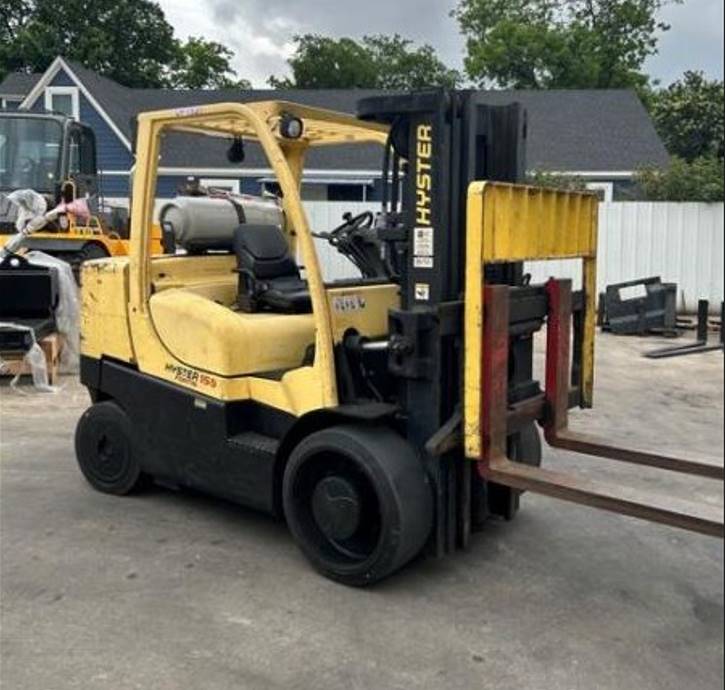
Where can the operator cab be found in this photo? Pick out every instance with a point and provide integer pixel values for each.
(49, 153)
(241, 273)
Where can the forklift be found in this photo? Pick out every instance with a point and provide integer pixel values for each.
(382, 416)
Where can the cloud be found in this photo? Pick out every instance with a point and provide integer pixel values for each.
(695, 41)
(261, 32)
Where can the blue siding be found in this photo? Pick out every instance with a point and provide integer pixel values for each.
(167, 185)
(251, 185)
(62, 79)
(113, 156)
(112, 153)
(115, 186)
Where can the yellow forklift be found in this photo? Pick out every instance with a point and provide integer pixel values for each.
(381, 416)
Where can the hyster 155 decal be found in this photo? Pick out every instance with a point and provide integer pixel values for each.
(191, 377)
(347, 303)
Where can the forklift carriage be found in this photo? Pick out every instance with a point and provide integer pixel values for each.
(380, 416)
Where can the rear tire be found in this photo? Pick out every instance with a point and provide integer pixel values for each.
(106, 449)
(358, 502)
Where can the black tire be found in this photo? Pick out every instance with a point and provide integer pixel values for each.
(358, 503)
(92, 250)
(105, 449)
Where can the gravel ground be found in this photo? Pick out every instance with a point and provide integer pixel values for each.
(172, 591)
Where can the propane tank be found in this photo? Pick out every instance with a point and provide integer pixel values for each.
(202, 223)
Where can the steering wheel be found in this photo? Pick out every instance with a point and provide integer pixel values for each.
(27, 165)
(352, 224)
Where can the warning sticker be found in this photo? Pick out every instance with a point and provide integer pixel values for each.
(423, 262)
(422, 292)
(423, 242)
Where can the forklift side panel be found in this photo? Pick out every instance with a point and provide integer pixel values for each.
(186, 439)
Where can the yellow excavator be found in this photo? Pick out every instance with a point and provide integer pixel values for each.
(381, 416)
(55, 156)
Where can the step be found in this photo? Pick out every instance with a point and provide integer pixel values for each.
(253, 442)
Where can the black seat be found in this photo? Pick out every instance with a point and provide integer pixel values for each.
(269, 278)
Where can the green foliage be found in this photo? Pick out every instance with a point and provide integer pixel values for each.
(551, 180)
(130, 42)
(201, 64)
(690, 117)
(376, 62)
(400, 67)
(699, 180)
(320, 62)
(539, 44)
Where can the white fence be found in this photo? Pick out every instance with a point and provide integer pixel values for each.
(681, 242)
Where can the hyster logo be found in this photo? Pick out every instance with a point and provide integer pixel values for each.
(424, 177)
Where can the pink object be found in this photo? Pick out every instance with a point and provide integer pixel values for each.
(78, 207)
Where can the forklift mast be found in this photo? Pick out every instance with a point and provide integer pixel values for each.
(476, 382)
(444, 141)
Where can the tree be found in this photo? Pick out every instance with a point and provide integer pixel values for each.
(201, 64)
(376, 62)
(552, 180)
(700, 180)
(536, 44)
(130, 42)
(320, 62)
(690, 117)
(400, 67)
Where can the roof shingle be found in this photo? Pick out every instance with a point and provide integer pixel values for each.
(18, 83)
(569, 130)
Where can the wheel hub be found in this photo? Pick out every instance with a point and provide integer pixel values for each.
(336, 507)
(109, 462)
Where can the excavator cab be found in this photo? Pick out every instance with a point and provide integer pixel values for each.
(55, 156)
(51, 154)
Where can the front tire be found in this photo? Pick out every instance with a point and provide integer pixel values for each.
(358, 503)
(106, 450)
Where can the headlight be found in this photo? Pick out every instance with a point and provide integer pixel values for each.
(291, 127)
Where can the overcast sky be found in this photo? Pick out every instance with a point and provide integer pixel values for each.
(260, 31)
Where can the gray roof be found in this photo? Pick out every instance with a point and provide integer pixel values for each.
(18, 83)
(569, 130)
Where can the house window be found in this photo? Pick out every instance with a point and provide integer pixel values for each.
(82, 156)
(604, 190)
(63, 99)
(342, 192)
(226, 185)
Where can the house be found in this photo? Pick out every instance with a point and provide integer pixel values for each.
(15, 87)
(601, 136)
